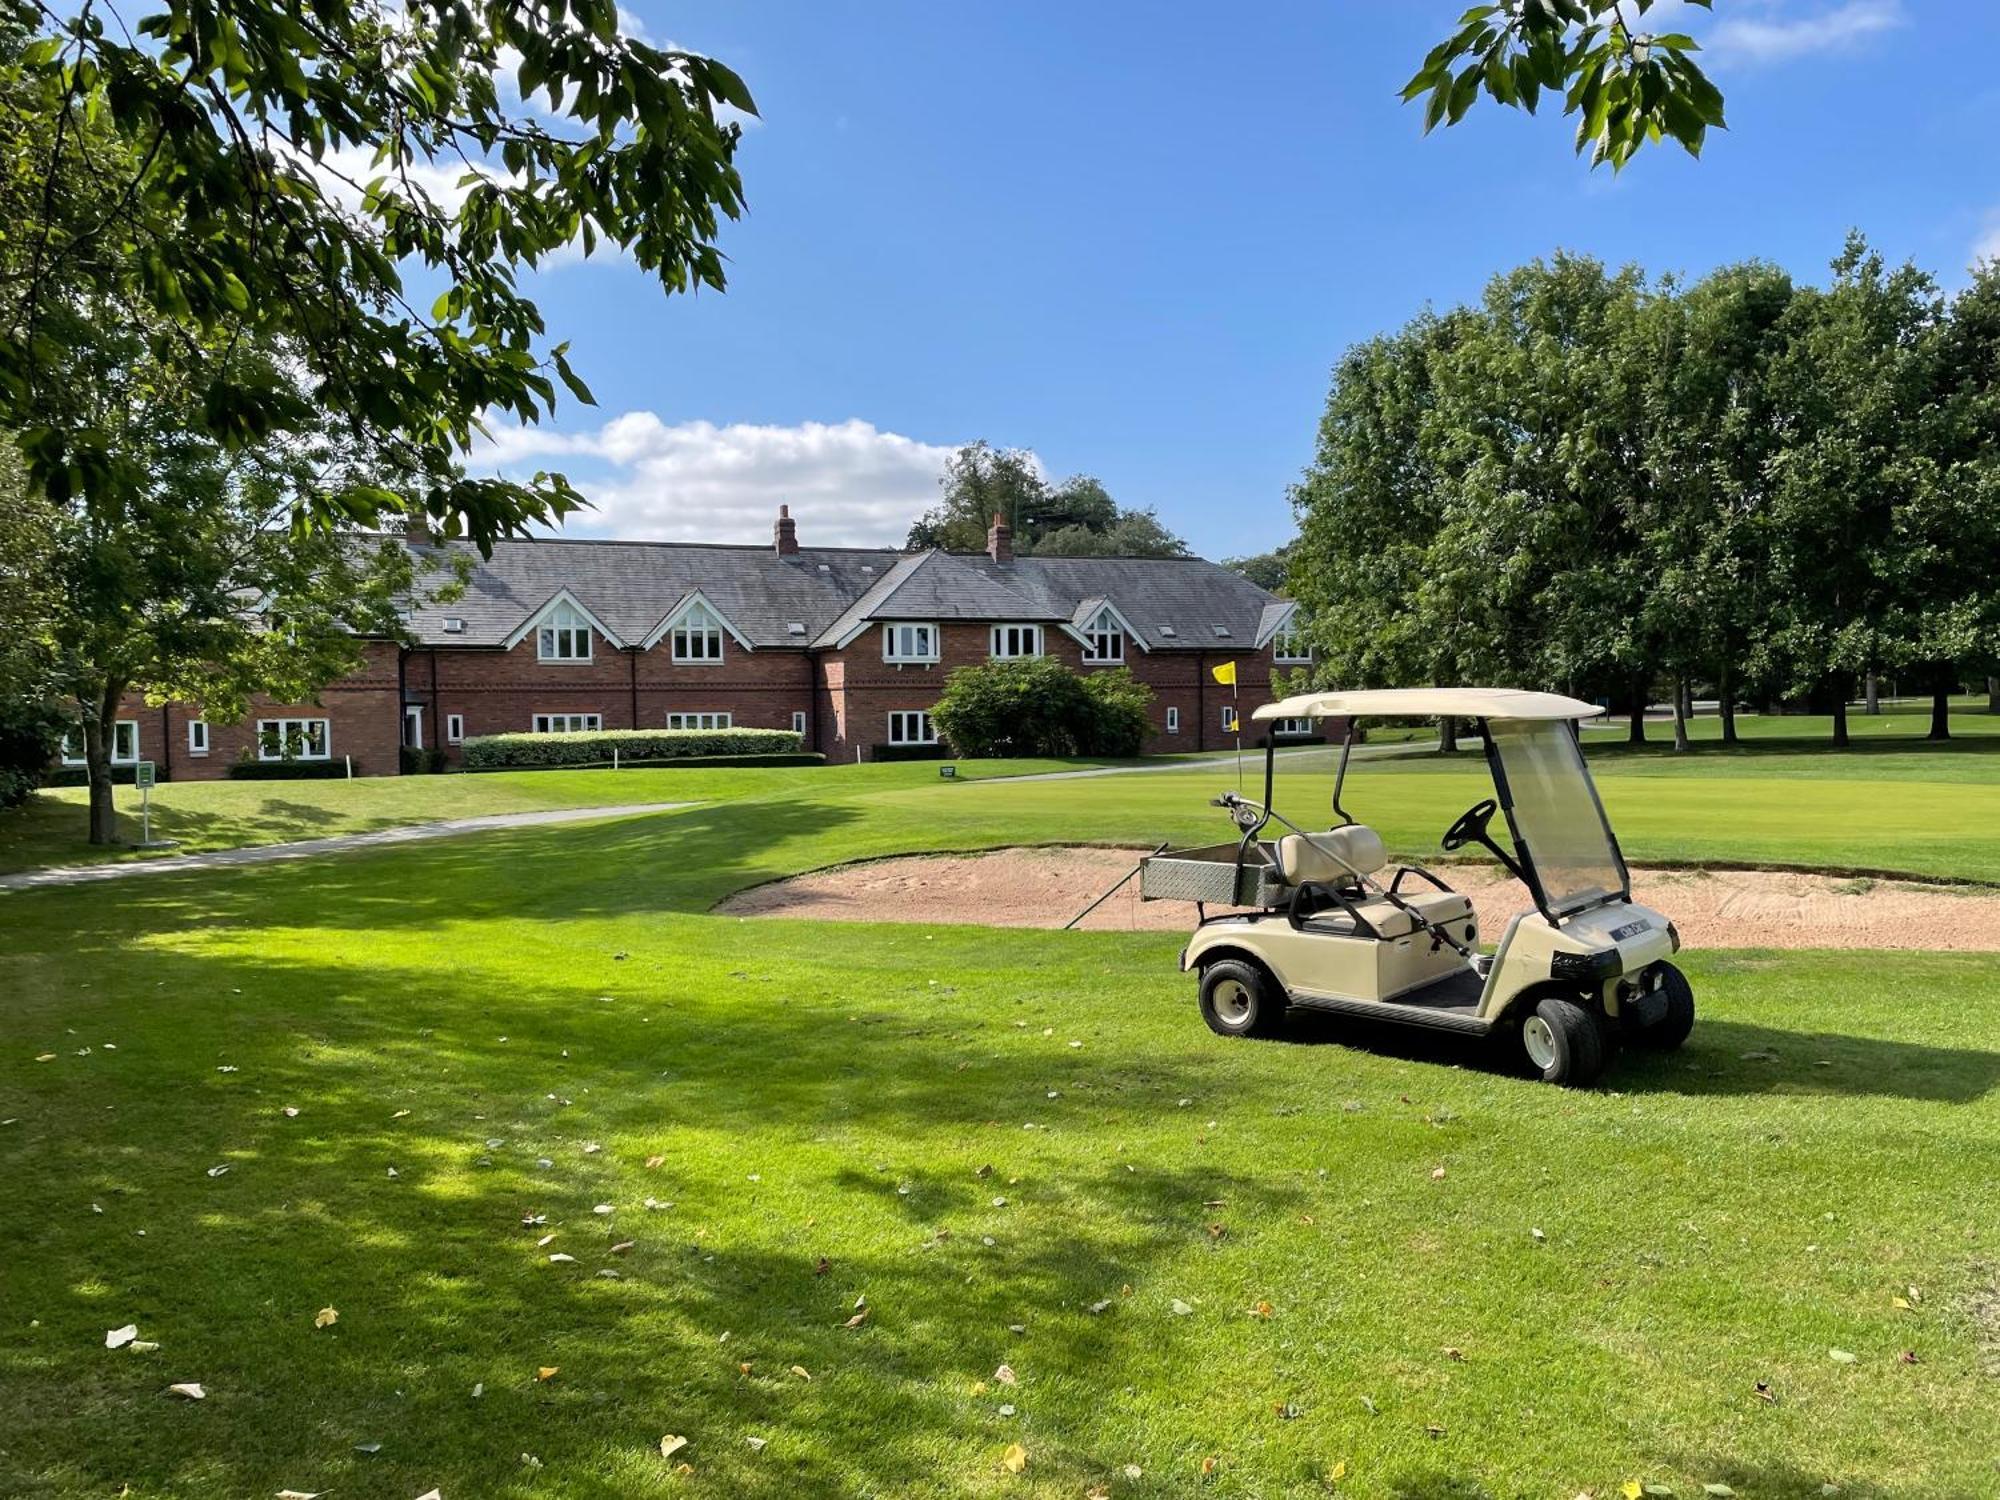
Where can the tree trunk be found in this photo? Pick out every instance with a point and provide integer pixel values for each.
(1725, 688)
(1993, 695)
(1636, 734)
(1874, 695)
(1447, 736)
(100, 735)
(1840, 711)
(1682, 698)
(1942, 684)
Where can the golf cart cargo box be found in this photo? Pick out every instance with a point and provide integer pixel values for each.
(1215, 874)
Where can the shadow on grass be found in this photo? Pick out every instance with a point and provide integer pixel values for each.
(1720, 1058)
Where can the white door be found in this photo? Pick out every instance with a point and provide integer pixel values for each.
(413, 725)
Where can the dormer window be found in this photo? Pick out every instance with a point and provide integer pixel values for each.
(564, 636)
(910, 643)
(1103, 637)
(1290, 645)
(698, 636)
(1221, 632)
(453, 625)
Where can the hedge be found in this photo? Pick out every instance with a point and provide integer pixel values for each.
(674, 762)
(911, 752)
(287, 770)
(491, 752)
(121, 775)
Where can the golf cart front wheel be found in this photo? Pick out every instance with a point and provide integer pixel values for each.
(1563, 1042)
(1239, 999)
(1671, 1029)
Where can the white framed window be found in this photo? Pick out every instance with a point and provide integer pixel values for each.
(909, 643)
(1290, 643)
(564, 635)
(798, 721)
(1228, 719)
(294, 739)
(197, 736)
(454, 729)
(1103, 637)
(698, 721)
(1294, 726)
(124, 745)
(413, 726)
(911, 726)
(698, 636)
(568, 723)
(1011, 642)
(1173, 720)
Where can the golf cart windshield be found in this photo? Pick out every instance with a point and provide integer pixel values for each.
(1557, 820)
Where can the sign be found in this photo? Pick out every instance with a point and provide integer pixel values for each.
(142, 774)
(949, 773)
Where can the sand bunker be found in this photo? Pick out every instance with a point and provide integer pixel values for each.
(1719, 909)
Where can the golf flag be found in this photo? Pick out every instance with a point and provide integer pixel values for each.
(1225, 674)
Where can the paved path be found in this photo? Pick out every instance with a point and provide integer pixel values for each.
(1223, 763)
(260, 854)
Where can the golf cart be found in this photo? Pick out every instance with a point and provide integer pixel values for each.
(1323, 924)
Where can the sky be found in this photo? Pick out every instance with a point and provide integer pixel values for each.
(1135, 238)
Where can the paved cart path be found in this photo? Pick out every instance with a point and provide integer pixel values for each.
(258, 854)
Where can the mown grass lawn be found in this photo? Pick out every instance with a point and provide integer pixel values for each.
(1829, 1140)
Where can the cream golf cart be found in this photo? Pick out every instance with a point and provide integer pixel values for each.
(1330, 927)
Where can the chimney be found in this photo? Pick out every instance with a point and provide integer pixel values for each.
(785, 533)
(417, 529)
(1000, 539)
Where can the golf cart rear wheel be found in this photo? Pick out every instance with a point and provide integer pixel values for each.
(1563, 1042)
(1239, 999)
(1671, 1029)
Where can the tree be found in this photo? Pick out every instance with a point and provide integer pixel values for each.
(1626, 86)
(1076, 518)
(1265, 569)
(1040, 707)
(30, 724)
(285, 173)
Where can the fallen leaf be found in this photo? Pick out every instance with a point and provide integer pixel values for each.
(368, 1448)
(326, 1317)
(45, 1057)
(1015, 1459)
(1098, 1307)
(118, 1338)
(430, 1495)
(545, 1241)
(1262, 1310)
(1005, 1375)
(562, 1259)
(1435, 1429)
(399, 1114)
(1006, 1411)
(1765, 1394)
(1909, 1357)
(822, 1266)
(801, 1372)
(1180, 1308)
(1901, 1304)
(298, 1495)
(547, 1372)
(142, 1346)
(670, 1445)
(857, 1320)
(757, 1444)
(1437, 1174)
(1841, 1356)
(654, 1162)
(1133, 1471)
(291, 1112)
(1450, 1352)
(217, 1171)
(621, 1247)
(1631, 1489)
(1208, 1466)
(191, 1389)
(1337, 1473)
(1721, 1490)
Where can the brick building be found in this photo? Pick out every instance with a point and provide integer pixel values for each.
(848, 646)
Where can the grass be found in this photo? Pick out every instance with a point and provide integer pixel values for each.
(824, 1093)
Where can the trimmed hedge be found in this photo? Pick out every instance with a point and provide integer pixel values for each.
(512, 752)
(80, 776)
(678, 762)
(288, 770)
(412, 761)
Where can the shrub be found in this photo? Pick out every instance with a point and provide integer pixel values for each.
(288, 770)
(416, 761)
(1041, 707)
(525, 751)
(678, 762)
(29, 736)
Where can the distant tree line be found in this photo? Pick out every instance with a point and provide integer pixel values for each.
(1620, 487)
(1075, 517)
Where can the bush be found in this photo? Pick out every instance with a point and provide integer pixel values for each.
(525, 751)
(288, 770)
(415, 761)
(1041, 707)
(80, 776)
(30, 734)
(678, 762)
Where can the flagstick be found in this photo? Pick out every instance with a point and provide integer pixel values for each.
(1236, 718)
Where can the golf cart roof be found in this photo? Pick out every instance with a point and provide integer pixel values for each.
(1414, 703)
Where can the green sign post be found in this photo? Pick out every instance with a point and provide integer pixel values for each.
(142, 778)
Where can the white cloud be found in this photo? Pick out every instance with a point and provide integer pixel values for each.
(1775, 32)
(848, 483)
(1987, 246)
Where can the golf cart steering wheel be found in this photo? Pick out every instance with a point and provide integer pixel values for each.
(1471, 826)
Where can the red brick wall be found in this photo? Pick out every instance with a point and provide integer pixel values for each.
(361, 712)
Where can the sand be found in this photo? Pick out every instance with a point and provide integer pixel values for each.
(1713, 909)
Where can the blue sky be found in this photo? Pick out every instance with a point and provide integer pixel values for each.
(1135, 238)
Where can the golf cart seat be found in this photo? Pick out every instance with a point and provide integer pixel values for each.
(1337, 858)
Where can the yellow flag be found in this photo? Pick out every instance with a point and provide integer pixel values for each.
(1225, 674)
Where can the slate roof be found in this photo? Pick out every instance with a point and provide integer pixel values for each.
(1171, 603)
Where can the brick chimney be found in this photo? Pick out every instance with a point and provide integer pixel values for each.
(1000, 539)
(785, 533)
(417, 529)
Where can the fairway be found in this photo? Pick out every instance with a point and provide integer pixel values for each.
(1357, 1253)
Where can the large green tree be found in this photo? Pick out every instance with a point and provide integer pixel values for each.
(361, 181)
(1074, 518)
